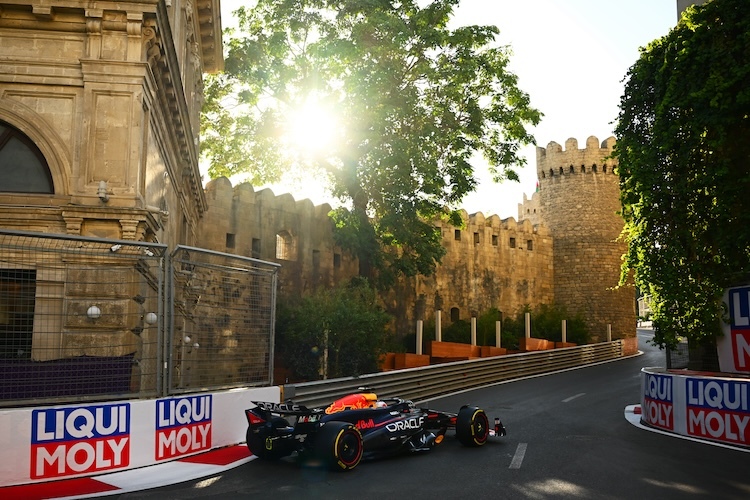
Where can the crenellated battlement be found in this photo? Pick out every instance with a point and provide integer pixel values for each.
(579, 202)
(561, 249)
(554, 161)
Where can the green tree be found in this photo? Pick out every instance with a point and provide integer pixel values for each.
(684, 165)
(414, 101)
(546, 323)
(344, 322)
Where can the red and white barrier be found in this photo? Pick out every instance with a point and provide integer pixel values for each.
(703, 406)
(72, 441)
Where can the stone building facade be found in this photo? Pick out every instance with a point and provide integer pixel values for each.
(103, 98)
(99, 122)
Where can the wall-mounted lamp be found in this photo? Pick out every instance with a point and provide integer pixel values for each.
(102, 191)
(94, 312)
(150, 318)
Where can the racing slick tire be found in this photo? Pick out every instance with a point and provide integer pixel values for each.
(339, 445)
(263, 446)
(472, 426)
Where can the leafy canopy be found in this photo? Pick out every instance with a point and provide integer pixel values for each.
(407, 102)
(684, 164)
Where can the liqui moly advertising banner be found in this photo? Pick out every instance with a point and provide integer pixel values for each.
(76, 440)
(704, 407)
(657, 402)
(734, 347)
(88, 439)
(183, 426)
(718, 409)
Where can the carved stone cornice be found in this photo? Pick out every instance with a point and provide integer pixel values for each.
(162, 59)
(209, 20)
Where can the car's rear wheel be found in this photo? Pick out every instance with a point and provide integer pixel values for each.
(264, 442)
(339, 445)
(472, 426)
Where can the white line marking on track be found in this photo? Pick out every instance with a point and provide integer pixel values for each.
(571, 398)
(518, 457)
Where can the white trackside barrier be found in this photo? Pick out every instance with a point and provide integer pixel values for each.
(716, 408)
(57, 442)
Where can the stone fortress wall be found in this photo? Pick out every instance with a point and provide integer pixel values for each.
(561, 250)
(578, 201)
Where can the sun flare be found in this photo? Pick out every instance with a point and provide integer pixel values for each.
(312, 127)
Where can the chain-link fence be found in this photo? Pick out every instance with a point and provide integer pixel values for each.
(92, 319)
(678, 357)
(223, 312)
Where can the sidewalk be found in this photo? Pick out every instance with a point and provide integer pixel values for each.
(154, 476)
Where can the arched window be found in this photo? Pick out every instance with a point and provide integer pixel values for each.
(455, 314)
(285, 246)
(23, 169)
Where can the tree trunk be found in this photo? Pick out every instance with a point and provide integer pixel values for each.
(702, 356)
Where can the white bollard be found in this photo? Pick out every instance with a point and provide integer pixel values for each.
(528, 325)
(498, 333)
(419, 336)
(473, 330)
(438, 327)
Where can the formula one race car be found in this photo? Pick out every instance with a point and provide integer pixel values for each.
(359, 426)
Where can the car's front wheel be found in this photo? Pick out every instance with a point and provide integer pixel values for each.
(339, 445)
(472, 426)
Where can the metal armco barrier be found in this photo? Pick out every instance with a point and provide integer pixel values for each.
(419, 384)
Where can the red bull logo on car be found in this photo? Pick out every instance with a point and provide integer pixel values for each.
(79, 440)
(658, 401)
(718, 409)
(183, 426)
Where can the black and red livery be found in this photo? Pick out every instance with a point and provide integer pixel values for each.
(359, 426)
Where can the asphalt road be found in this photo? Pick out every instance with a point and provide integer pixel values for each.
(567, 438)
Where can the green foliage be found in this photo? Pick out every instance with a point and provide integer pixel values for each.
(684, 166)
(347, 318)
(415, 101)
(546, 323)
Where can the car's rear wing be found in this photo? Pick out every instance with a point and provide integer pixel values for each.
(285, 408)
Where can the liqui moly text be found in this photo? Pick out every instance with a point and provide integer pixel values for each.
(739, 334)
(183, 426)
(79, 440)
(718, 409)
(658, 401)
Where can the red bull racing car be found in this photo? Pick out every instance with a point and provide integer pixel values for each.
(359, 426)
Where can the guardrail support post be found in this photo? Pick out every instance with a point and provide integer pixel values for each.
(564, 330)
(609, 332)
(498, 333)
(473, 330)
(419, 336)
(438, 327)
(527, 317)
